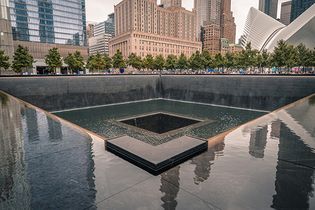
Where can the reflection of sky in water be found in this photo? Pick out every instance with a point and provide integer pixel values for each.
(268, 163)
(102, 120)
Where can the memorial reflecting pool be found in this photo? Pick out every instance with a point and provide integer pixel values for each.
(46, 163)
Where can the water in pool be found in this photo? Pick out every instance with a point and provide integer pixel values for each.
(210, 120)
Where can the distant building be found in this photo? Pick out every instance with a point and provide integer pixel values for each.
(264, 32)
(143, 27)
(226, 46)
(42, 25)
(212, 38)
(6, 39)
(216, 20)
(99, 44)
(90, 30)
(269, 7)
(299, 6)
(285, 16)
(106, 27)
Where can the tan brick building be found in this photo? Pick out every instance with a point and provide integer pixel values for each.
(143, 27)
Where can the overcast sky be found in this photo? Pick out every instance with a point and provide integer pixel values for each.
(97, 10)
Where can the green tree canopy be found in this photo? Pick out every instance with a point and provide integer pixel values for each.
(75, 61)
(135, 61)
(118, 60)
(182, 62)
(4, 61)
(108, 61)
(196, 62)
(96, 62)
(159, 62)
(148, 62)
(171, 62)
(22, 59)
(206, 59)
(53, 59)
(304, 56)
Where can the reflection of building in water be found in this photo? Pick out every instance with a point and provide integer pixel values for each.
(275, 129)
(258, 141)
(54, 130)
(13, 185)
(31, 124)
(293, 194)
(169, 198)
(203, 163)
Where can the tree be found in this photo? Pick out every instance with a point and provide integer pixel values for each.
(75, 61)
(171, 62)
(304, 56)
(53, 59)
(206, 59)
(108, 61)
(229, 60)
(219, 60)
(22, 59)
(182, 62)
(196, 61)
(148, 62)
(118, 60)
(159, 62)
(135, 61)
(279, 54)
(4, 61)
(95, 62)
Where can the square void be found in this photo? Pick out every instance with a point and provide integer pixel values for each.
(160, 122)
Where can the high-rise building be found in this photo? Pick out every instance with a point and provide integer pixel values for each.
(143, 27)
(103, 32)
(6, 40)
(269, 7)
(106, 27)
(299, 6)
(41, 25)
(216, 20)
(90, 29)
(99, 44)
(228, 26)
(285, 13)
(171, 3)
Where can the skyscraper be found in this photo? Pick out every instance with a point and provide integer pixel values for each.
(143, 27)
(216, 20)
(269, 7)
(6, 41)
(299, 6)
(286, 12)
(41, 25)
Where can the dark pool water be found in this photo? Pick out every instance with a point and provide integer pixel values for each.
(105, 120)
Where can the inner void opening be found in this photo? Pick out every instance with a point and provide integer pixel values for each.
(160, 122)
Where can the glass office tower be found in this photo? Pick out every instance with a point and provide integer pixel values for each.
(299, 6)
(49, 21)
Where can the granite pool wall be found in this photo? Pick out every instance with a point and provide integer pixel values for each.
(67, 92)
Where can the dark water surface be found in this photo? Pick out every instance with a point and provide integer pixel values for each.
(103, 120)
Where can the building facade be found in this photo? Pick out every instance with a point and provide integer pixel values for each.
(269, 7)
(285, 16)
(212, 38)
(217, 22)
(143, 27)
(99, 44)
(106, 27)
(299, 6)
(6, 39)
(41, 25)
(171, 3)
(264, 32)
